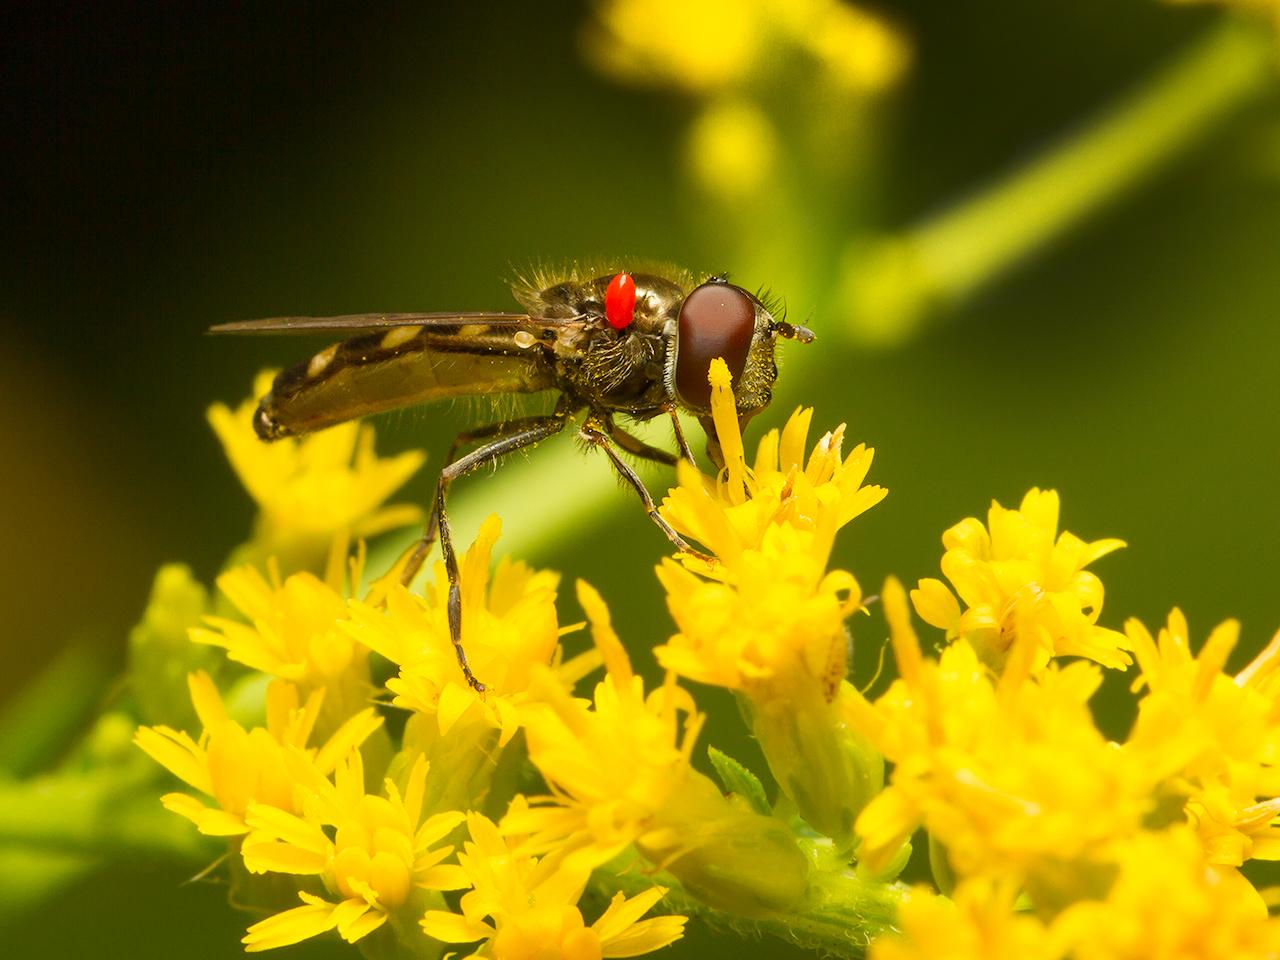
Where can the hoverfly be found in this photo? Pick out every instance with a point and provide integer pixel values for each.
(636, 344)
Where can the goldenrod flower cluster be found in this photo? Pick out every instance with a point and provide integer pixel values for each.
(732, 55)
(341, 756)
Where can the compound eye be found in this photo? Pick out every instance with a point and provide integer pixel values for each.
(716, 320)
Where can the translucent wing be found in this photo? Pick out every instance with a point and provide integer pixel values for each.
(355, 322)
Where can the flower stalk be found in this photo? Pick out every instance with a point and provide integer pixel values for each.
(894, 281)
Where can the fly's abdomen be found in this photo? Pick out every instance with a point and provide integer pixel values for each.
(404, 367)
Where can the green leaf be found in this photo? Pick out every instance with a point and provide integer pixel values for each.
(739, 780)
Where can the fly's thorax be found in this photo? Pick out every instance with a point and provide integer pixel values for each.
(605, 367)
(658, 300)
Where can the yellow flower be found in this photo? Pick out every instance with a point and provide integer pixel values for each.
(979, 922)
(525, 908)
(612, 770)
(509, 629)
(376, 854)
(1161, 902)
(1217, 736)
(769, 619)
(707, 45)
(238, 767)
(769, 606)
(314, 487)
(1009, 774)
(1014, 565)
(294, 632)
(1166, 901)
(732, 149)
(620, 774)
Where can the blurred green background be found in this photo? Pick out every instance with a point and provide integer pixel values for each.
(173, 167)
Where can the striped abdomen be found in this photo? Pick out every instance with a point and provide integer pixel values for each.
(406, 366)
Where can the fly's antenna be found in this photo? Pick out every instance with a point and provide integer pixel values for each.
(793, 331)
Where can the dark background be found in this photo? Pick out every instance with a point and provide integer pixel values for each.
(167, 167)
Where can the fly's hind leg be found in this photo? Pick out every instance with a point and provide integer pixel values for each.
(529, 432)
(592, 434)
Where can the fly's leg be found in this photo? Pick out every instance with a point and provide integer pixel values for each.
(637, 447)
(492, 431)
(535, 429)
(686, 452)
(591, 433)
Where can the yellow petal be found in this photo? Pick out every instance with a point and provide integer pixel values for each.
(346, 738)
(451, 928)
(616, 661)
(206, 700)
(936, 605)
(177, 753)
(292, 926)
(645, 937)
(455, 700)
(208, 820)
(623, 912)
(271, 856)
(282, 825)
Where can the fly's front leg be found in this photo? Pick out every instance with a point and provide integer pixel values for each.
(637, 447)
(534, 429)
(488, 432)
(685, 451)
(591, 433)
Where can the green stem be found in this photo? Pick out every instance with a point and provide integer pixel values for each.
(894, 281)
(841, 915)
(103, 814)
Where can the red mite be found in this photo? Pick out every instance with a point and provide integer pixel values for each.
(647, 356)
(620, 301)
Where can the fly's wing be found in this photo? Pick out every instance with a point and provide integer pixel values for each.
(353, 322)
(405, 360)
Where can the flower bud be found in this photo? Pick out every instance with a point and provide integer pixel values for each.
(829, 770)
(728, 857)
(161, 655)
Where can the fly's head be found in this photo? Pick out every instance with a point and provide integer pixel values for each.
(719, 319)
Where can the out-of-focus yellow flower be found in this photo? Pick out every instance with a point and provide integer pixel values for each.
(1013, 571)
(1166, 901)
(376, 853)
(1218, 736)
(619, 774)
(1162, 901)
(238, 767)
(1009, 774)
(980, 921)
(311, 488)
(708, 45)
(731, 149)
(525, 908)
(1268, 9)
